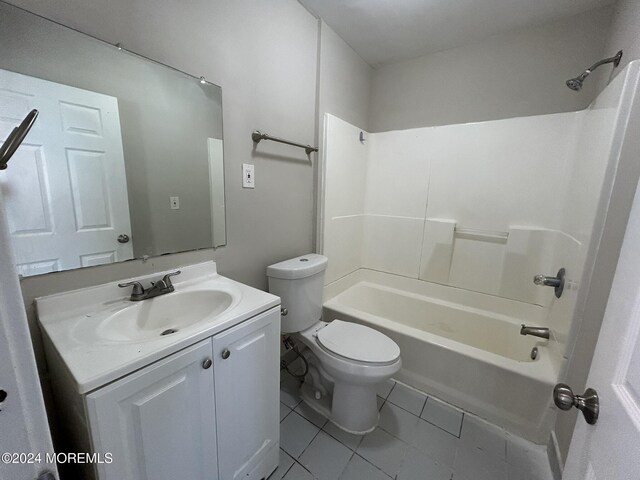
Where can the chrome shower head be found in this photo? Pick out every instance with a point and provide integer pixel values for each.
(575, 84)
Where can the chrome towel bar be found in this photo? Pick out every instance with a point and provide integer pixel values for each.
(257, 136)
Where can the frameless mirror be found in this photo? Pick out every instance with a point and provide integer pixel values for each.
(125, 159)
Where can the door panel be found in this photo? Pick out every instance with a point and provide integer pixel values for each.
(158, 423)
(247, 398)
(66, 186)
(609, 449)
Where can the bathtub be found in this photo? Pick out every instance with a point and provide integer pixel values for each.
(461, 346)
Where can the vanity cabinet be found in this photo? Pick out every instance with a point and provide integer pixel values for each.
(158, 422)
(247, 372)
(207, 412)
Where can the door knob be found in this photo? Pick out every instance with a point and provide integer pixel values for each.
(207, 364)
(124, 238)
(226, 353)
(588, 403)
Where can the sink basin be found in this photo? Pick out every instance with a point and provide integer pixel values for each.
(164, 315)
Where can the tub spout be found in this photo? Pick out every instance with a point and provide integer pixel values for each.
(542, 332)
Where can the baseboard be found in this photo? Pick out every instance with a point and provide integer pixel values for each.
(555, 457)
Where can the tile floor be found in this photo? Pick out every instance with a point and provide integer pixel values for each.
(418, 438)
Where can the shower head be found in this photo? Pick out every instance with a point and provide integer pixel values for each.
(575, 84)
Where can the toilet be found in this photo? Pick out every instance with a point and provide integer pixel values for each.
(346, 361)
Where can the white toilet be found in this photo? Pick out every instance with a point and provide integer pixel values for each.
(346, 360)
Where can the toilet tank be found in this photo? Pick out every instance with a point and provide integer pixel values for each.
(299, 283)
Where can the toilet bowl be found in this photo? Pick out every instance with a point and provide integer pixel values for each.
(346, 361)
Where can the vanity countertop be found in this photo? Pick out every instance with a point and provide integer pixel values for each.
(71, 323)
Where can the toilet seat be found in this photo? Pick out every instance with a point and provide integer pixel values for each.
(357, 342)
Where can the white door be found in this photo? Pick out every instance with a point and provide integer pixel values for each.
(23, 421)
(610, 449)
(247, 372)
(65, 189)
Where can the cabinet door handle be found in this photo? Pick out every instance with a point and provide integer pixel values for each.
(226, 353)
(207, 363)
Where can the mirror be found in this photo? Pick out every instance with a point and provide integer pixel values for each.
(125, 159)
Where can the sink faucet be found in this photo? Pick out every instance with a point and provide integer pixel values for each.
(159, 287)
(542, 332)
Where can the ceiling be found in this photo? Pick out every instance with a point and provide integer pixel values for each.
(387, 31)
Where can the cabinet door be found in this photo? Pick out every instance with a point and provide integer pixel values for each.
(158, 423)
(247, 371)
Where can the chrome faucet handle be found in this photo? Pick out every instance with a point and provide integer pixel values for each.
(556, 282)
(138, 289)
(167, 278)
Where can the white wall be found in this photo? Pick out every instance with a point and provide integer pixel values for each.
(345, 80)
(625, 32)
(344, 91)
(519, 73)
(345, 167)
(408, 192)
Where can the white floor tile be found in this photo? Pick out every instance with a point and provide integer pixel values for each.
(383, 450)
(407, 398)
(435, 442)
(384, 389)
(398, 422)
(296, 434)
(310, 414)
(284, 465)
(359, 469)
(483, 435)
(443, 415)
(298, 473)
(471, 463)
(284, 411)
(417, 465)
(325, 457)
(348, 439)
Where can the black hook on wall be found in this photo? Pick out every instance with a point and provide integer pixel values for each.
(15, 138)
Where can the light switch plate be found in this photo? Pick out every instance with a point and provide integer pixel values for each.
(248, 176)
(174, 202)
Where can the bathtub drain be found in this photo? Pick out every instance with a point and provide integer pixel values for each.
(534, 353)
(169, 331)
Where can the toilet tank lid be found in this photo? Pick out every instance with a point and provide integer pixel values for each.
(299, 267)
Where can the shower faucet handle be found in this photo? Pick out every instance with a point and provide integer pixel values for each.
(546, 281)
(556, 282)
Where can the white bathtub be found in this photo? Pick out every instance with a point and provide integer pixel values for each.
(461, 346)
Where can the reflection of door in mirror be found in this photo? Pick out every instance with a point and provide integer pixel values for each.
(65, 191)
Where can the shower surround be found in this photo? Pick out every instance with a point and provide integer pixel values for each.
(471, 212)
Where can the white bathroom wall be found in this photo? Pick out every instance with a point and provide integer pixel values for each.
(480, 206)
(624, 33)
(512, 74)
(345, 164)
(472, 205)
